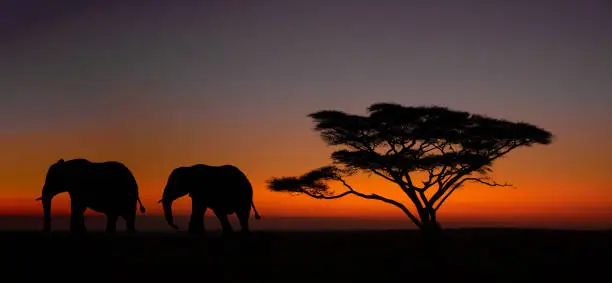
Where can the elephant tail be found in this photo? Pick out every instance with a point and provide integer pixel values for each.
(255, 210)
(142, 208)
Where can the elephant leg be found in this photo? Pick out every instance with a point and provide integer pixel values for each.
(111, 223)
(243, 217)
(196, 221)
(77, 217)
(130, 223)
(225, 224)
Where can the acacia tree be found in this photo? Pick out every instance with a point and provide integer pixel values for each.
(428, 152)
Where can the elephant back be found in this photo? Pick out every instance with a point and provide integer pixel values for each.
(104, 177)
(224, 187)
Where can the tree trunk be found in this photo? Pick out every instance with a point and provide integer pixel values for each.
(431, 235)
(433, 244)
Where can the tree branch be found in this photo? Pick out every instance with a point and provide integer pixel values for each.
(444, 186)
(488, 183)
(324, 196)
(500, 152)
(380, 198)
(426, 203)
(408, 181)
(382, 175)
(411, 193)
(458, 184)
(467, 171)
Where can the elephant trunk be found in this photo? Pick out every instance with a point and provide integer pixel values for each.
(168, 213)
(46, 202)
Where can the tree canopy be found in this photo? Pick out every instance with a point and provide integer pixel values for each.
(420, 149)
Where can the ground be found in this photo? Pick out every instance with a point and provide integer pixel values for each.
(377, 256)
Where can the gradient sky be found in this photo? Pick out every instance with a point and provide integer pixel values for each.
(162, 84)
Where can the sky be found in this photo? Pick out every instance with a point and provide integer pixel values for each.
(160, 84)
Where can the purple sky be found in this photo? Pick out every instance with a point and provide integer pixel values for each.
(535, 60)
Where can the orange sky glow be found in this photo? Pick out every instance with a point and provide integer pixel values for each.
(548, 184)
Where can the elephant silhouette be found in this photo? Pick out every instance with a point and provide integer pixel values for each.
(106, 187)
(225, 189)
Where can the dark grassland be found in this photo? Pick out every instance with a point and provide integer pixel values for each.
(375, 256)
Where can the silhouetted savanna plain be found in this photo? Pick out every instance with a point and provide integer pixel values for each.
(375, 256)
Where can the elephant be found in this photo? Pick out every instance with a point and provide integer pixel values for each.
(225, 189)
(106, 187)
